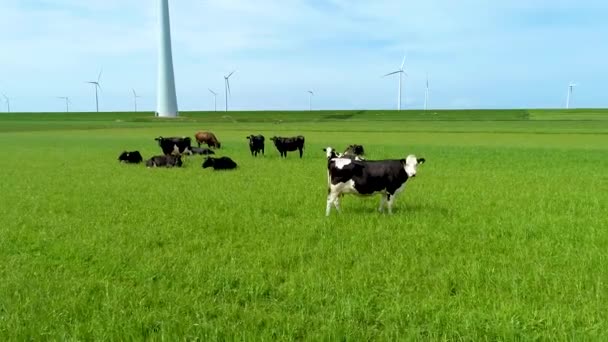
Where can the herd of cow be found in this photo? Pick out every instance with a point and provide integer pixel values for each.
(347, 173)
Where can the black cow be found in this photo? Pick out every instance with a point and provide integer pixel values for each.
(256, 144)
(165, 160)
(222, 163)
(175, 145)
(385, 177)
(288, 144)
(133, 157)
(201, 150)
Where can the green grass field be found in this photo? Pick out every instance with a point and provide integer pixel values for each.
(503, 235)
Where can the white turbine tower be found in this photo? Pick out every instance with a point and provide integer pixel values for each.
(311, 94)
(401, 73)
(166, 105)
(97, 86)
(426, 93)
(570, 86)
(227, 87)
(135, 97)
(67, 102)
(214, 100)
(8, 103)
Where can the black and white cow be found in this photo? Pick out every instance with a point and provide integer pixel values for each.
(365, 178)
(331, 153)
(201, 150)
(285, 145)
(221, 163)
(133, 157)
(165, 160)
(354, 152)
(175, 145)
(256, 144)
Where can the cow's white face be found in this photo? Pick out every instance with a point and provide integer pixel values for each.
(329, 152)
(411, 165)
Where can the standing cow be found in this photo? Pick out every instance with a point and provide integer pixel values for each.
(256, 144)
(365, 178)
(175, 145)
(285, 145)
(207, 138)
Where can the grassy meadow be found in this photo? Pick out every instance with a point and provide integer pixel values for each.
(503, 235)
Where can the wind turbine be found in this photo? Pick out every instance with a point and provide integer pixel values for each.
(401, 73)
(135, 97)
(214, 100)
(67, 102)
(227, 86)
(8, 103)
(570, 86)
(426, 92)
(96, 85)
(166, 98)
(310, 99)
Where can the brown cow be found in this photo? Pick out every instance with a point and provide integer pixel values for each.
(207, 138)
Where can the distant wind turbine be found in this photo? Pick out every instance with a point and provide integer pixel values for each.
(401, 73)
(311, 94)
(227, 87)
(8, 102)
(570, 86)
(135, 97)
(96, 85)
(214, 100)
(426, 93)
(67, 102)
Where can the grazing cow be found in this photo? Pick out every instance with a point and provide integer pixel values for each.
(207, 138)
(222, 163)
(165, 160)
(354, 152)
(256, 144)
(175, 145)
(133, 157)
(288, 144)
(202, 150)
(385, 177)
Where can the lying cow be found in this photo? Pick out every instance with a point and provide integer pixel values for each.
(354, 152)
(166, 161)
(385, 177)
(331, 153)
(207, 138)
(222, 163)
(256, 144)
(133, 157)
(175, 145)
(201, 150)
(288, 144)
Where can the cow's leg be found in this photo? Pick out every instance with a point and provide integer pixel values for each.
(199, 144)
(382, 202)
(300, 153)
(332, 198)
(391, 200)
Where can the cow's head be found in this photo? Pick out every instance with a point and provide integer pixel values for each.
(410, 164)
(123, 156)
(208, 162)
(330, 152)
(178, 161)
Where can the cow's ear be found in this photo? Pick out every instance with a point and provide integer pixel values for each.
(421, 160)
(324, 150)
(402, 161)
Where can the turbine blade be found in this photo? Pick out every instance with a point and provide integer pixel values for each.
(392, 73)
(228, 83)
(99, 76)
(402, 63)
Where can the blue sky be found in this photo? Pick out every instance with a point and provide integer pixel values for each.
(478, 54)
